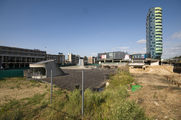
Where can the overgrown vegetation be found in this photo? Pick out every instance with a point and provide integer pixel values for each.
(110, 104)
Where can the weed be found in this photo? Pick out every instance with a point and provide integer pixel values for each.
(136, 83)
(33, 84)
(33, 81)
(48, 89)
(11, 87)
(155, 95)
(15, 115)
(36, 99)
(46, 86)
(18, 86)
(58, 92)
(13, 103)
(127, 110)
(43, 104)
(38, 85)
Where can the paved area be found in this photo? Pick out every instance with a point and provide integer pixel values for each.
(93, 78)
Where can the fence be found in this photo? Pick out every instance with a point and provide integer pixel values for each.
(11, 73)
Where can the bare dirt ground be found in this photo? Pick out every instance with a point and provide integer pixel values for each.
(160, 99)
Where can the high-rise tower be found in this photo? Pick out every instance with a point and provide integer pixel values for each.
(154, 35)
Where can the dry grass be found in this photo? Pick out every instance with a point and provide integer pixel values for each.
(19, 88)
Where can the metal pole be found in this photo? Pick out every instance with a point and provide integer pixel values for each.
(82, 93)
(51, 86)
(33, 73)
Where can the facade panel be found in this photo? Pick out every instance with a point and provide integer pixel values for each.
(154, 33)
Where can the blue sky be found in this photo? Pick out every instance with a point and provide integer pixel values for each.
(87, 27)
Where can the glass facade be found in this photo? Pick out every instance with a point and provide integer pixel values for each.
(154, 35)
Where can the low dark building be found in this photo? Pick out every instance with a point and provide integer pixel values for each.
(111, 55)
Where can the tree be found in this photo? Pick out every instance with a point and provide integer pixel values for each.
(85, 57)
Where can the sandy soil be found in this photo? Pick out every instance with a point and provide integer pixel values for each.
(160, 99)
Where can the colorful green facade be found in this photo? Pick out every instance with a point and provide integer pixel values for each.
(154, 39)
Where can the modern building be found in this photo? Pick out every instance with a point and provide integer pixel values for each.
(92, 60)
(73, 59)
(59, 59)
(20, 57)
(111, 55)
(138, 56)
(154, 37)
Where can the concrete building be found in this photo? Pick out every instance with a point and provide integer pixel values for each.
(20, 57)
(73, 59)
(59, 59)
(92, 60)
(43, 69)
(154, 46)
(111, 55)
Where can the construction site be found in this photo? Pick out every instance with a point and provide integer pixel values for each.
(159, 95)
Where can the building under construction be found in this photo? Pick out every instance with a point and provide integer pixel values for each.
(12, 57)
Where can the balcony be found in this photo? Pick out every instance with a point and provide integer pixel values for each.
(158, 51)
(158, 26)
(159, 30)
(158, 11)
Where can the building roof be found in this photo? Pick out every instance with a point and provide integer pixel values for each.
(43, 62)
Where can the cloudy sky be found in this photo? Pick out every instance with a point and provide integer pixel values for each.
(87, 27)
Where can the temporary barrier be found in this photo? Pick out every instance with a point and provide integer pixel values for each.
(11, 73)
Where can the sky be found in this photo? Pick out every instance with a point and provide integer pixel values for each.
(87, 27)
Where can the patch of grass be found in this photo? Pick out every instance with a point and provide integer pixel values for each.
(58, 92)
(18, 86)
(46, 86)
(12, 104)
(38, 85)
(120, 79)
(36, 99)
(33, 85)
(33, 81)
(15, 115)
(128, 110)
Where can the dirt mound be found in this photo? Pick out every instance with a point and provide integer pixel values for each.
(158, 69)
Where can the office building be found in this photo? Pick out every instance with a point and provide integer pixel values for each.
(111, 55)
(19, 57)
(92, 60)
(154, 37)
(59, 59)
(73, 59)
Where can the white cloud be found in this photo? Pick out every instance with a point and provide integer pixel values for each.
(123, 48)
(14, 46)
(142, 41)
(171, 51)
(93, 53)
(176, 35)
(113, 49)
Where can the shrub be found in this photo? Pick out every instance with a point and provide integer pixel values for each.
(128, 110)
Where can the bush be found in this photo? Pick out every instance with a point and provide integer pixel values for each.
(128, 110)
